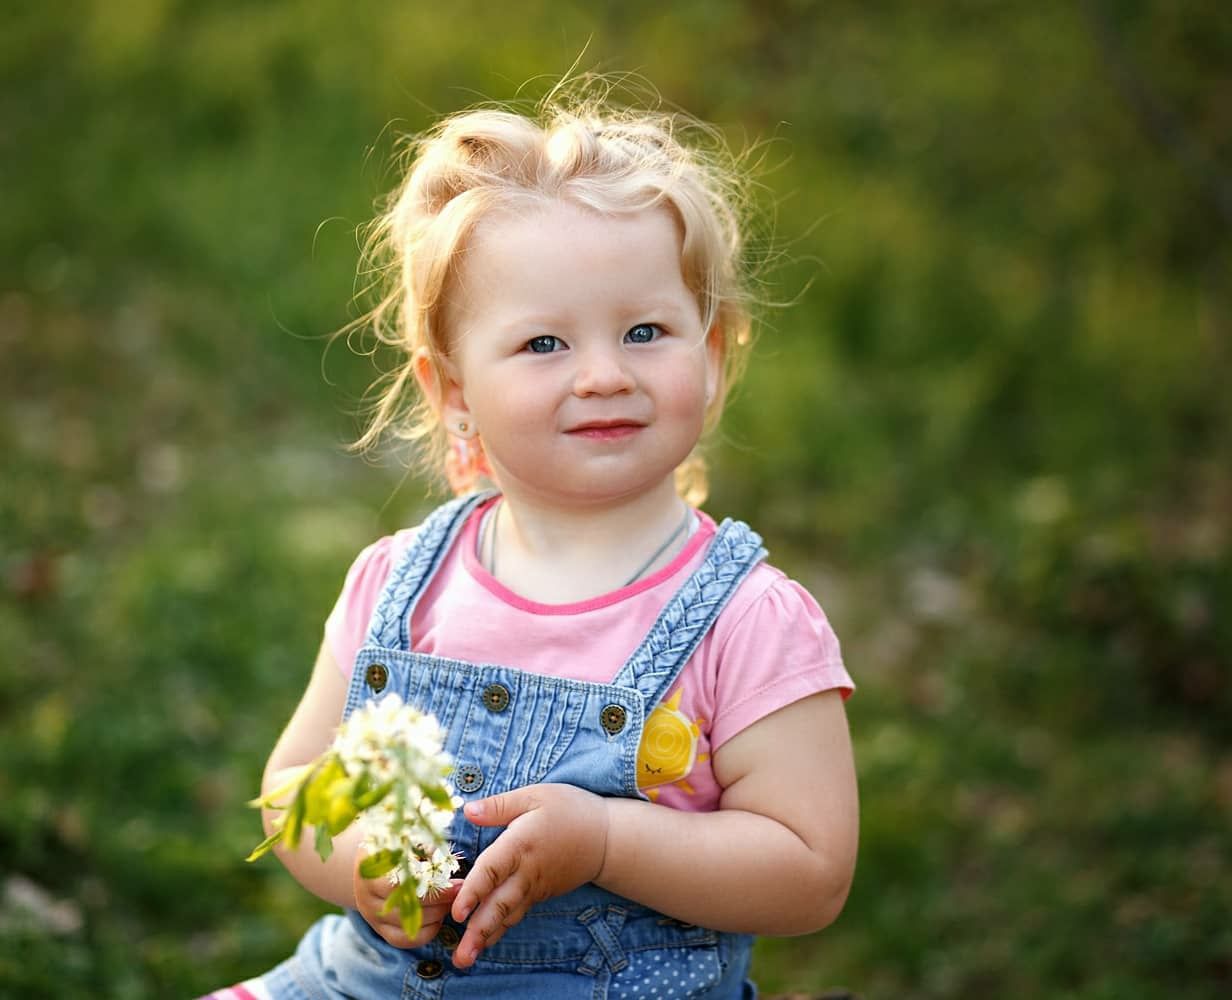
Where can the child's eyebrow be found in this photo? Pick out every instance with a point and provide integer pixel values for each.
(651, 307)
(529, 322)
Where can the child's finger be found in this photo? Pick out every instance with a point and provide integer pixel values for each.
(437, 907)
(389, 925)
(432, 914)
(427, 931)
(503, 809)
(495, 865)
(377, 888)
(504, 908)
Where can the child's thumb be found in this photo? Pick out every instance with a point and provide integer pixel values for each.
(499, 810)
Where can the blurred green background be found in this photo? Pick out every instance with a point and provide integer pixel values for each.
(989, 427)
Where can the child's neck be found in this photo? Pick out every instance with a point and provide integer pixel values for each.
(556, 555)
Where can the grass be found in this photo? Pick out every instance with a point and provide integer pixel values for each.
(991, 437)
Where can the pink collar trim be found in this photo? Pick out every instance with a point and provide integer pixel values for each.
(469, 542)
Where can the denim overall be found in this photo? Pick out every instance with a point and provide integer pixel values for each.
(508, 728)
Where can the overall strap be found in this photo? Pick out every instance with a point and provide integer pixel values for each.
(687, 617)
(390, 624)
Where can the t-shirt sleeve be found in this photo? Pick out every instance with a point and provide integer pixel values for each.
(779, 649)
(347, 624)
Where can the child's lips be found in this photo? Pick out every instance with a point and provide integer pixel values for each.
(606, 430)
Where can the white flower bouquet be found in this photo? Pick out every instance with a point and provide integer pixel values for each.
(386, 767)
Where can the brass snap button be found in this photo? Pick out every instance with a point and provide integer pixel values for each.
(613, 719)
(449, 937)
(377, 676)
(496, 697)
(429, 968)
(468, 778)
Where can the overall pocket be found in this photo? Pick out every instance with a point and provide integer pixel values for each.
(663, 957)
(688, 971)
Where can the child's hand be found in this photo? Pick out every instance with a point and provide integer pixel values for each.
(370, 896)
(555, 841)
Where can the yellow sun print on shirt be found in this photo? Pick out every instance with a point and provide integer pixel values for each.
(668, 750)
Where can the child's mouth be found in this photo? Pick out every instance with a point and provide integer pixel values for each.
(606, 430)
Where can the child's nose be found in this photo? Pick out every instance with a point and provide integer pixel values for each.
(602, 372)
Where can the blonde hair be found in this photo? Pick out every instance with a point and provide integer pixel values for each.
(582, 151)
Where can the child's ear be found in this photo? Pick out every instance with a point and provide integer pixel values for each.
(440, 386)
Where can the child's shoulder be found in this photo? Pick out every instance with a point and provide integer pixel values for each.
(347, 623)
(772, 645)
(767, 597)
(371, 567)
(773, 611)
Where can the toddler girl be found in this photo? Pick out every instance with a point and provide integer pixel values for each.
(646, 718)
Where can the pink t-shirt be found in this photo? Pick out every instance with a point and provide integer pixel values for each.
(770, 646)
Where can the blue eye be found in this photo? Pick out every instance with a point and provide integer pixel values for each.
(643, 333)
(543, 345)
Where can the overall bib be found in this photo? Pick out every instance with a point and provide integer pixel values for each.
(507, 728)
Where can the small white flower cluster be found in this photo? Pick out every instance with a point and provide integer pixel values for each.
(388, 744)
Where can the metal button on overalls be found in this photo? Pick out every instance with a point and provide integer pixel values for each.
(613, 719)
(429, 968)
(496, 697)
(449, 937)
(468, 778)
(377, 676)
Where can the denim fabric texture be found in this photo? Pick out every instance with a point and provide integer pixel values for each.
(588, 943)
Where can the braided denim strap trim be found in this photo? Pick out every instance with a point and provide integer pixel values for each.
(390, 623)
(687, 617)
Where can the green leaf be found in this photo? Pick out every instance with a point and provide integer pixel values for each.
(366, 797)
(410, 913)
(380, 863)
(270, 799)
(410, 910)
(438, 795)
(325, 843)
(342, 811)
(265, 846)
(294, 827)
(327, 783)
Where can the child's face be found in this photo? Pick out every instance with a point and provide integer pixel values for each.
(578, 353)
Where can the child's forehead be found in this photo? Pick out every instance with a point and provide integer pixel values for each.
(560, 243)
(564, 220)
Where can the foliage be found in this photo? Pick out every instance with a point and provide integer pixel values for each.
(986, 426)
(385, 768)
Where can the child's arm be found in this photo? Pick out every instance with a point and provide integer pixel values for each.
(306, 737)
(337, 880)
(776, 858)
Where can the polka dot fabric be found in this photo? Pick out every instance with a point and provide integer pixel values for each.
(668, 972)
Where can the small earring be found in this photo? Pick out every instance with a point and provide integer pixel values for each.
(463, 427)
